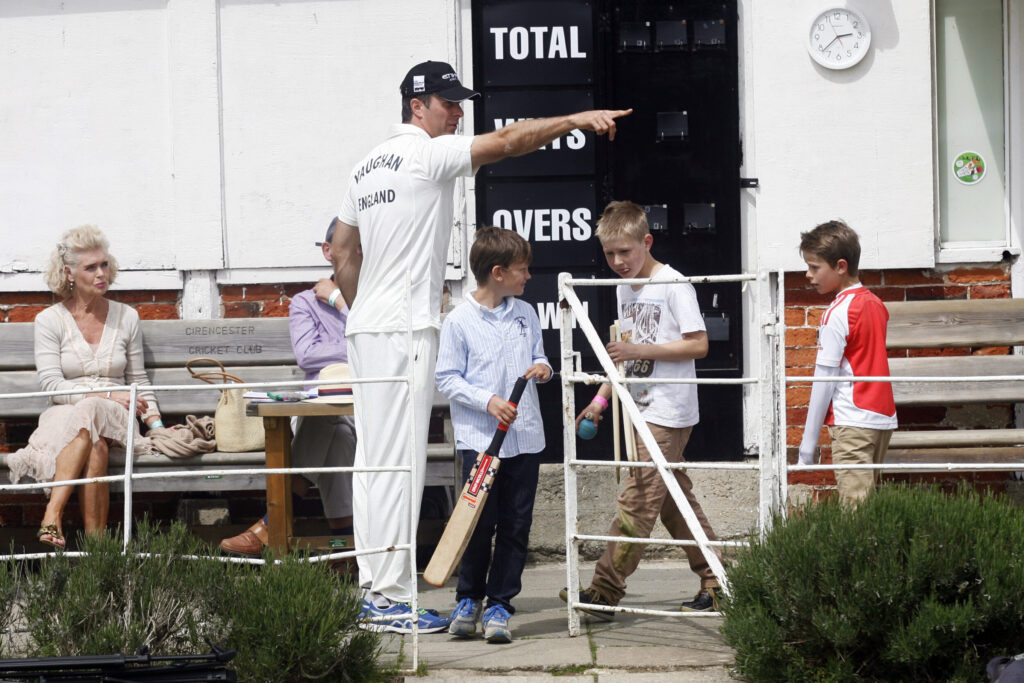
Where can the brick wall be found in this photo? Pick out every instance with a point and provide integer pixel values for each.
(24, 510)
(804, 308)
(259, 301)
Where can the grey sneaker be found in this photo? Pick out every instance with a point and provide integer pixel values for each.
(706, 600)
(592, 596)
(496, 628)
(465, 617)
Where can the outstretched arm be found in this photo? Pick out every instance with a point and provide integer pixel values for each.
(817, 408)
(347, 257)
(523, 137)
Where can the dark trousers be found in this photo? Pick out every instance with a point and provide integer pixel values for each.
(506, 518)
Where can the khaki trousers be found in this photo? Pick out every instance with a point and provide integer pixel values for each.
(641, 502)
(857, 446)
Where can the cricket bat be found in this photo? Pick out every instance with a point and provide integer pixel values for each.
(469, 505)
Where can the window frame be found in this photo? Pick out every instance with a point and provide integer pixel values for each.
(967, 251)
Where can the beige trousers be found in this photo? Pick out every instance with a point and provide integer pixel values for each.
(857, 446)
(644, 499)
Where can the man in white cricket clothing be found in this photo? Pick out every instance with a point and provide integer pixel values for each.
(396, 220)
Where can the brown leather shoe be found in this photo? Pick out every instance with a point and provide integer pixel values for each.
(250, 542)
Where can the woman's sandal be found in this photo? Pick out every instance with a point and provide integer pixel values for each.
(49, 535)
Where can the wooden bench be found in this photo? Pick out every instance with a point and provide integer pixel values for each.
(255, 349)
(957, 324)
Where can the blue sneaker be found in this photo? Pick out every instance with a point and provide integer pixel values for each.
(496, 628)
(398, 619)
(465, 617)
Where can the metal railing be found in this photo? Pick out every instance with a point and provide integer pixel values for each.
(128, 476)
(768, 303)
(772, 484)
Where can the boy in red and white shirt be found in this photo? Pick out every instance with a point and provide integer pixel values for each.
(851, 343)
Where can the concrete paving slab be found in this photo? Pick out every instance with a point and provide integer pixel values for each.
(631, 648)
(696, 675)
(460, 675)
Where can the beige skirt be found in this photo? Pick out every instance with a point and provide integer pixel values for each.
(59, 424)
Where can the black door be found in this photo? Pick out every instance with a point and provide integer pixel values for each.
(678, 155)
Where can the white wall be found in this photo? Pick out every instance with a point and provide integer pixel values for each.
(308, 88)
(84, 123)
(217, 134)
(853, 144)
(198, 134)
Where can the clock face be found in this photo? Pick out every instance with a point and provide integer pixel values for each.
(839, 38)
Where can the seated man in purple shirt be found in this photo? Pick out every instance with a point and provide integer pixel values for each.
(316, 321)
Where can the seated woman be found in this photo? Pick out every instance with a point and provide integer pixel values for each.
(84, 341)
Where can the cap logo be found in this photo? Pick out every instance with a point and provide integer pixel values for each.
(450, 77)
(418, 84)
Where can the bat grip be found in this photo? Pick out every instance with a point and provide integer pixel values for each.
(499, 433)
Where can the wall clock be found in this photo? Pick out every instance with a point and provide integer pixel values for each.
(839, 38)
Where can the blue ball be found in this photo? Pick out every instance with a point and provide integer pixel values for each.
(587, 429)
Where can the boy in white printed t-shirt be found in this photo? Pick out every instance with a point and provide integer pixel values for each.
(851, 343)
(666, 334)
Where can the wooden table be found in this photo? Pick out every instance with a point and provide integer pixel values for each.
(277, 423)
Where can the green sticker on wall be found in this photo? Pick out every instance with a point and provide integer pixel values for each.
(969, 168)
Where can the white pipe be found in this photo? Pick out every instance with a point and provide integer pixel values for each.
(670, 465)
(129, 461)
(637, 610)
(413, 464)
(572, 553)
(698, 279)
(656, 541)
(644, 432)
(589, 378)
(205, 472)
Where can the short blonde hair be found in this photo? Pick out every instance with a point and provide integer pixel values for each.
(622, 219)
(68, 252)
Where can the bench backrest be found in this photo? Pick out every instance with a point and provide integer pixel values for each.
(956, 324)
(255, 349)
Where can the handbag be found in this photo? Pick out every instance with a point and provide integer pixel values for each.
(234, 431)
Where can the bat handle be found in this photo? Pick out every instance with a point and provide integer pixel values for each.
(517, 390)
(499, 433)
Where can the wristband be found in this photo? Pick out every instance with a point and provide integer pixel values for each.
(598, 398)
(108, 394)
(333, 297)
(158, 423)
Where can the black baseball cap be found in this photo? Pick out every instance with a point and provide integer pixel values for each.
(435, 78)
(330, 233)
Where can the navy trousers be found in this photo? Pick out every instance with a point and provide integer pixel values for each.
(506, 518)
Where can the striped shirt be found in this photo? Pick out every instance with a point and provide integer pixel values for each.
(482, 353)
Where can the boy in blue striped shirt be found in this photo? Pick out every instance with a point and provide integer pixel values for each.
(487, 342)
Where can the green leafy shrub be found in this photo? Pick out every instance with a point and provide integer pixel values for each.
(311, 635)
(108, 602)
(10, 584)
(293, 621)
(912, 585)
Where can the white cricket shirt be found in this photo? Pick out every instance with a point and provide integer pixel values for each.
(400, 196)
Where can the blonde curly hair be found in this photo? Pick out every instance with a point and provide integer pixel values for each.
(68, 252)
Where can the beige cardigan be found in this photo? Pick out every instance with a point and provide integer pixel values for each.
(64, 360)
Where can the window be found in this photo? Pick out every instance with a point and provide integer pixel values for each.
(971, 135)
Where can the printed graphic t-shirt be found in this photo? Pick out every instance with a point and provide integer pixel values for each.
(400, 196)
(658, 314)
(852, 338)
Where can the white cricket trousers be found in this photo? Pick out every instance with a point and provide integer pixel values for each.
(380, 500)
